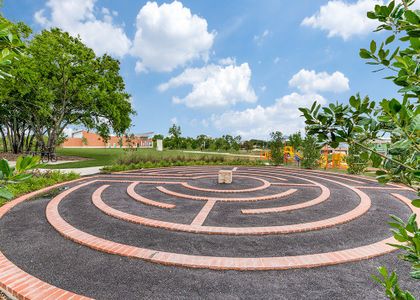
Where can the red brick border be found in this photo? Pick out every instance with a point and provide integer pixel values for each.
(205, 198)
(362, 208)
(264, 174)
(204, 212)
(25, 286)
(20, 284)
(343, 176)
(214, 262)
(265, 185)
(325, 195)
(133, 194)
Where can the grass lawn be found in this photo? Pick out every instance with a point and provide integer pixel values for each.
(105, 157)
(94, 157)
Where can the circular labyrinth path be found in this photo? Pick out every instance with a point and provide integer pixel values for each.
(125, 234)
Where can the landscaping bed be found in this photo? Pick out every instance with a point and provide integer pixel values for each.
(13, 157)
(37, 182)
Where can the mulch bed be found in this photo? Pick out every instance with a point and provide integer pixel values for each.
(9, 156)
(13, 157)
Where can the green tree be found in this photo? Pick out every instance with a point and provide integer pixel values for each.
(62, 82)
(311, 152)
(295, 140)
(237, 140)
(203, 141)
(363, 120)
(157, 137)
(12, 47)
(357, 159)
(276, 147)
(175, 133)
(11, 44)
(248, 145)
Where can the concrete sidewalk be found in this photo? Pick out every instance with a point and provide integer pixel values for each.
(81, 171)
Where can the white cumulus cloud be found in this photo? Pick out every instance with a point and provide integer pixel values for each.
(214, 86)
(258, 122)
(308, 81)
(344, 19)
(283, 114)
(78, 18)
(169, 36)
(227, 61)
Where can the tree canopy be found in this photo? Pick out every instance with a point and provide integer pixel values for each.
(62, 82)
(363, 120)
(11, 44)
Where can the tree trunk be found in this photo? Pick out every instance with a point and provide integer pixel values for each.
(4, 140)
(30, 142)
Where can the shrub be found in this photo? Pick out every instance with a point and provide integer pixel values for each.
(311, 152)
(357, 159)
(40, 180)
(276, 147)
(206, 160)
(15, 174)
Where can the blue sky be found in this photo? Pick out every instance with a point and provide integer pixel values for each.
(223, 67)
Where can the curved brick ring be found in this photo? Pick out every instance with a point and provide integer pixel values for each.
(264, 174)
(214, 262)
(325, 194)
(17, 282)
(265, 184)
(133, 194)
(362, 208)
(205, 198)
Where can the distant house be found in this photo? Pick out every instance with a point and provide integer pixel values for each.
(86, 139)
(380, 145)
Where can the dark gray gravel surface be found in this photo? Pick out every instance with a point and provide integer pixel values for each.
(28, 240)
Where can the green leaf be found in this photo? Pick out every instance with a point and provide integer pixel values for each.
(414, 33)
(380, 172)
(354, 102)
(391, 6)
(382, 178)
(390, 39)
(411, 17)
(365, 54)
(334, 144)
(371, 15)
(5, 168)
(399, 237)
(415, 274)
(372, 46)
(416, 202)
(18, 163)
(394, 106)
(5, 193)
(21, 177)
(383, 271)
(376, 160)
(364, 155)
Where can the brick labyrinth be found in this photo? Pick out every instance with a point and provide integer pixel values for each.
(259, 196)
